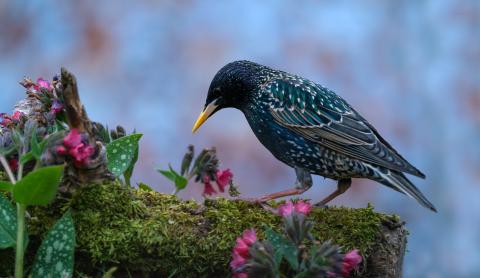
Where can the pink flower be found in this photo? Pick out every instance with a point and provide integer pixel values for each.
(5, 119)
(240, 253)
(61, 150)
(286, 209)
(16, 115)
(13, 163)
(299, 207)
(74, 147)
(237, 261)
(208, 190)
(72, 139)
(57, 106)
(250, 236)
(42, 83)
(303, 207)
(81, 153)
(223, 179)
(350, 261)
(240, 275)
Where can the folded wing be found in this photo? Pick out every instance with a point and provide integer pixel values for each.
(321, 116)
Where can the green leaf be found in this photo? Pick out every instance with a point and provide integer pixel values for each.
(59, 126)
(6, 186)
(8, 223)
(17, 139)
(109, 273)
(103, 132)
(284, 248)
(55, 257)
(179, 180)
(35, 147)
(121, 153)
(144, 187)
(38, 187)
(129, 172)
(26, 158)
(168, 174)
(5, 151)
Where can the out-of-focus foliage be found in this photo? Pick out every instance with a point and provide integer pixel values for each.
(409, 67)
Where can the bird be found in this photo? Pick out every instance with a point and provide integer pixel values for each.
(309, 128)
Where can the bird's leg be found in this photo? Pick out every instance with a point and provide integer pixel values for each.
(304, 182)
(342, 186)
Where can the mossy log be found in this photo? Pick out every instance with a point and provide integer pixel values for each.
(150, 234)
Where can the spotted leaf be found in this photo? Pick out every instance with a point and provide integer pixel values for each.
(8, 223)
(283, 248)
(121, 153)
(55, 257)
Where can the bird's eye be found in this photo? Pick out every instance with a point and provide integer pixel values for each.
(216, 91)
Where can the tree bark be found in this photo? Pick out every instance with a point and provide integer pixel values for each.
(388, 261)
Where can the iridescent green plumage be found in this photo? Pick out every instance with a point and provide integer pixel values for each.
(321, 116)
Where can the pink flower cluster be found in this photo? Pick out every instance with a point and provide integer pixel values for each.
(74, 147)
(350, 261)
(299, 207)
(32, 87)
(42, 83)
(35, 87)
(241, 254)
(223, 179)
(6, 120)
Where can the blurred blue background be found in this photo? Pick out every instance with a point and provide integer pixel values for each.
(412, 68)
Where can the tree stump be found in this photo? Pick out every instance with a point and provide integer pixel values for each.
(150, 234)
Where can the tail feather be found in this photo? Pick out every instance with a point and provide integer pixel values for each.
(399, 182)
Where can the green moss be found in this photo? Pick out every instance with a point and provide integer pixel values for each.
(350, 228)
(154, 233)
(3, 176)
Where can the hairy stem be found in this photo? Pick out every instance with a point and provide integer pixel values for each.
(7, 168)
(19, 252)
(20, 171)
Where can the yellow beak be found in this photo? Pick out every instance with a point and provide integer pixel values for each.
(206, 113)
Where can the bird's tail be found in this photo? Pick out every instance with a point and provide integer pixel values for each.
(398, 181)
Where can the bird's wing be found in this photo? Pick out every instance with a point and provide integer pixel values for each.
(321, 116)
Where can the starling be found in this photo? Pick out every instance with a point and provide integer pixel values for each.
(309, 128)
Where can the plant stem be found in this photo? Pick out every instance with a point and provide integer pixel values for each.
(19, 251)
(7, 168)
(20, 171)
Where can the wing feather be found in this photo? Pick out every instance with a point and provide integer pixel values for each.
(321, 116)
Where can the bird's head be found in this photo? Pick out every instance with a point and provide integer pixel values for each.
(231, 87)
